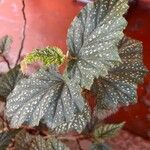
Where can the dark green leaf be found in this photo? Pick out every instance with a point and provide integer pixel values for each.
(25, 141)
(119, 86)
(6, 137)
(77, 123)
(45, 96)
(9, 80)
(99, 147)
(5, 43)
(106, 130)
(93, 38)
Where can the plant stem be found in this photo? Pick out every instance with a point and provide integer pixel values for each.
(5, 122)
(7, 62)
(73, 137)
(80, 148)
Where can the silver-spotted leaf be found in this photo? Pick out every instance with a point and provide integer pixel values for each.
(93, 38)
(106, 130)
(6, 137)
(45, 96)
(119, 86)
(50, 144)
(99, 147)
(25, 141)
(9, 80)
(5, 43)
(77, 123)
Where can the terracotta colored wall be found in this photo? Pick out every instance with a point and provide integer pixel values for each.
(38, 23)
(46, 23)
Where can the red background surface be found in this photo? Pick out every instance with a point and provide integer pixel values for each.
(46, 24)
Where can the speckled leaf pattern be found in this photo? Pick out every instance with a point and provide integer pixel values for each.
(99, 147)
(9, 80)
(45, 96)
(5, 43)
(93, 38)
(6, 137)
(25, 141)
(50, 144)
(119, 86)
(106, 130)
(78, 123)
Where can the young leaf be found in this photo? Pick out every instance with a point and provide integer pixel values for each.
(99, 147)
(93, 38)
(77, 123)
(25, 141)
(119, 86)
(6, 137)
(107, 131)
(9, 80)
(45, 96)
(48, 56)
(5, 43)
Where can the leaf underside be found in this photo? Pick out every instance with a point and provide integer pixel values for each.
(93, 38)
(119, 86)
(77, 123)
(5, 43)
(9, 80)
(25, 141)
(45, 96)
